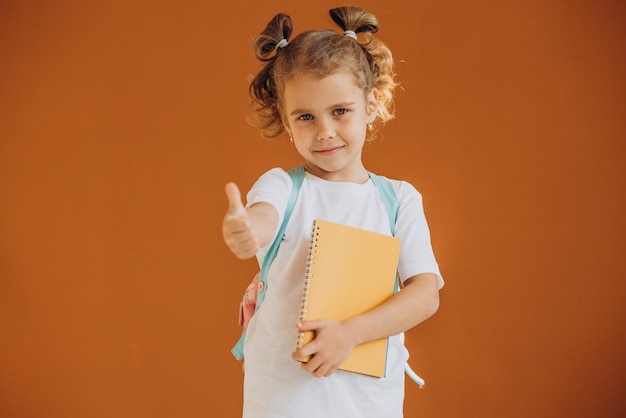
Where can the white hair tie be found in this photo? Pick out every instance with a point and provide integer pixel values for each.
(283, 43)
(350, 33)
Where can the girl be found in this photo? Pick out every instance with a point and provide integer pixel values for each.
(327, 91)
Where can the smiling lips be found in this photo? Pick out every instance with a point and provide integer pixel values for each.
(329, 151)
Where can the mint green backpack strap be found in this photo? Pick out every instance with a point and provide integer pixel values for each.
(297, 176)
(390, 200)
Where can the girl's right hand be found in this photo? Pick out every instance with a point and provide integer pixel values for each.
(236, 228)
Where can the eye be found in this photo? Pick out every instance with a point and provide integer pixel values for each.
(306, 116)
(341, 111)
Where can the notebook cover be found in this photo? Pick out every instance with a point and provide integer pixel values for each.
(350, 271)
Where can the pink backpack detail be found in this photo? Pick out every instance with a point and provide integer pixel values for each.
(248, 304)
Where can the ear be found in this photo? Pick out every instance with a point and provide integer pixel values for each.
(372, 105)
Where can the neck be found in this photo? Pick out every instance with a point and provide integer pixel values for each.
(358, 175)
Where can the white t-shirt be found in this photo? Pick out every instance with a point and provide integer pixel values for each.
(274, 384)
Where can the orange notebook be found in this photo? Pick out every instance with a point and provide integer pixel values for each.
(349, 271)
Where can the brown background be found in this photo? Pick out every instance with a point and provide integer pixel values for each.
(121, 121)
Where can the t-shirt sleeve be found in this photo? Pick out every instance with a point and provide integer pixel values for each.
(416, 252)
(273, 187)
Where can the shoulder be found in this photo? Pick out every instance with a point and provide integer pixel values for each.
(272, 187)
(403, 189)
(274, 173)
(272, 178)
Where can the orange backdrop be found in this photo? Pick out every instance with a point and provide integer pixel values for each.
(121, 121)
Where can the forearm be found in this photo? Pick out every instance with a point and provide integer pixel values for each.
(417, 301)
(263, 219)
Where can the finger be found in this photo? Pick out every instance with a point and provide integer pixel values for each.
(237, 226)
(299, 354)
(313, 325)
(318, 367)
(235, 205)
(306, 352)
(245, 250)
(330, 371)
(313, 366)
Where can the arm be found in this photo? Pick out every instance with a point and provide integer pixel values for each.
(417, 301)
(246, 230)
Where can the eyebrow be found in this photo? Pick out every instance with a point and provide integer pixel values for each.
(335, 106)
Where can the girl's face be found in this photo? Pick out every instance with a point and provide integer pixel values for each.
(327, 119)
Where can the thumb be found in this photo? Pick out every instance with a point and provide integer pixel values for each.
(235, 206)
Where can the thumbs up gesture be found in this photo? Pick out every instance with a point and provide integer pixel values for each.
(238, 233)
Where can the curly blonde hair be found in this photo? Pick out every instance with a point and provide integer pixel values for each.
(320, 53)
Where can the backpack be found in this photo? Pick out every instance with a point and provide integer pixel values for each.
(255, 292)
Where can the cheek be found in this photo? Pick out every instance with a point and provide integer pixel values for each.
(303, 132)
(299, 142)
(358, 131)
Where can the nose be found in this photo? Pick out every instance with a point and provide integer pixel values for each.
(326, 130)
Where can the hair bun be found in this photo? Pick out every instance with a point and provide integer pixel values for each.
(354, 19)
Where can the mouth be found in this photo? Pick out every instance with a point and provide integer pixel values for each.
(329, 150)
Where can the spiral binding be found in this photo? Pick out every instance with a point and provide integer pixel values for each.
(307, 284)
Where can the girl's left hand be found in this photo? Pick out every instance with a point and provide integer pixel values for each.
(328, 350)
